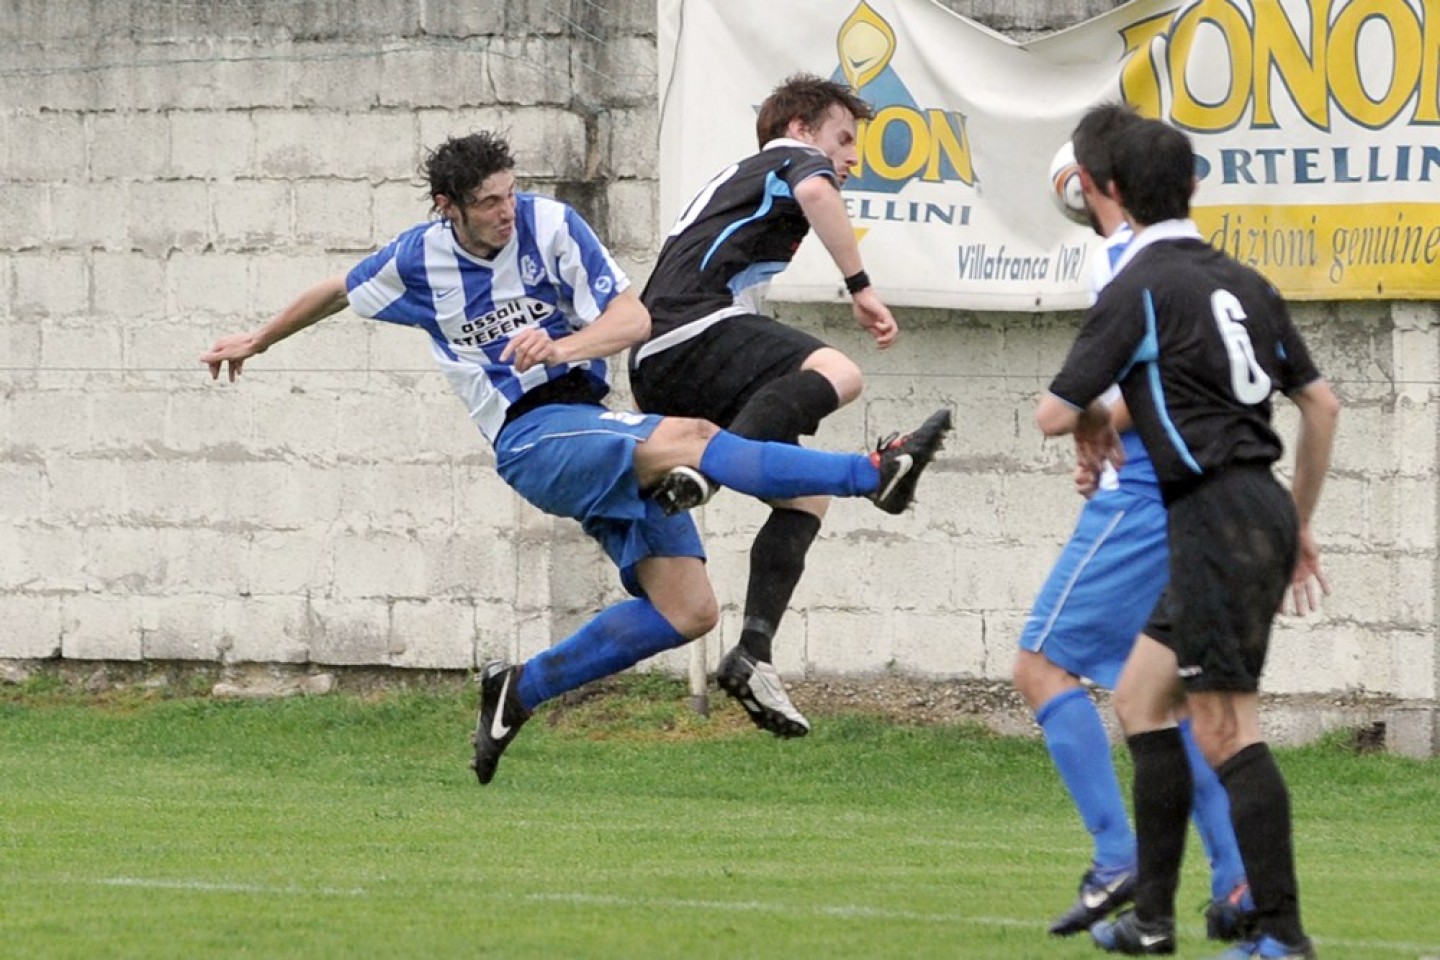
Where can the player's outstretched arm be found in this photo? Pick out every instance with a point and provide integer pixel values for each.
(320, 301)
(820, 200)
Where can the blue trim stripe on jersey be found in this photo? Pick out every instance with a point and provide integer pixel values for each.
(1157, 392)
(756, 273)
(1115, 253)
(774, 187)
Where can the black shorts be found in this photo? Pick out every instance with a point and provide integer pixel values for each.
(714, 374)
(1233, 543)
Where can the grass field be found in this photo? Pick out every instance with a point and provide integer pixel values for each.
(349, 826)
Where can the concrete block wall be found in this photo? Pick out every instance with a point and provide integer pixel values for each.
(172, 172)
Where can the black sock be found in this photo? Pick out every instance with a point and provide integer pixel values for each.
(1260, 811)
(786, 408)
(1161, 793)
(777, 559)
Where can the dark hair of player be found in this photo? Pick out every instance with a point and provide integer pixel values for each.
(461, 164)
(1154, 172)
(1094, 140)
(805, 97)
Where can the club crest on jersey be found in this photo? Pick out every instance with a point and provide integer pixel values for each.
(530, 271)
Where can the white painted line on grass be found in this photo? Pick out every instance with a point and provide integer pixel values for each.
(207, 886)
(874, 913)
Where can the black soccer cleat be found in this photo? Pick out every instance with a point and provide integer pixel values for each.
(1130, 935)
(1231, 917)
(901, 460)
(500, 717)
(683, 488)
(756, 686)
(1097, 900)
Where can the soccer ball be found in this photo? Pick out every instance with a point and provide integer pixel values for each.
(1065, 185)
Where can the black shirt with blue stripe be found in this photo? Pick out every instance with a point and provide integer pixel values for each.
(740, 230)
(1198, 343)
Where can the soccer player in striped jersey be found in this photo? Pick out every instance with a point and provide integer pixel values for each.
(522, 304)
(1199, 343)
(712, 352)
(1090, 610)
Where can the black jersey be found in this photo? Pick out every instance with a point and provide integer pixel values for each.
(1198, 343)
(738, 232)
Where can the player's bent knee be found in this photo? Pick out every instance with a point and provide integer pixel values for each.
(685, 431)
(675, 442)
(695, 618)
(1137, 712)
(843, 373)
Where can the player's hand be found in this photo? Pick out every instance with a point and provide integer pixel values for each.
(1096, 442)
(872, 315)
(532, 347)
(231, 352)
(1308, 584)
(1087, 481)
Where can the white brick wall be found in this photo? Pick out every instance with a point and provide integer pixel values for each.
(337, 507)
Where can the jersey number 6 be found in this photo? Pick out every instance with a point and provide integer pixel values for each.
(1250, 383)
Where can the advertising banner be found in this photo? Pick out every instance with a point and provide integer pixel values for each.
(1316, 128)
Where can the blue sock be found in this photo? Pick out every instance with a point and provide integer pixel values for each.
(1080, 748)
(618, 637)
(1211, 812)
(779, 471)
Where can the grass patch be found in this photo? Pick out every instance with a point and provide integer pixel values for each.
(154, 825)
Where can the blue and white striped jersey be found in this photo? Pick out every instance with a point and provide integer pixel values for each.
(554, 273)
(1138, 473)
(1102, 267)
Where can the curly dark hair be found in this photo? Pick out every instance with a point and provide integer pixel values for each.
(461, 164)
(806, 97)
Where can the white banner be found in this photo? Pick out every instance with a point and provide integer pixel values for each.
(1317, 137)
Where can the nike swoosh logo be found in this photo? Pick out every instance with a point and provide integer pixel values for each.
(1152, 939)
(904, 465)
(1094, 899)
(498, 728)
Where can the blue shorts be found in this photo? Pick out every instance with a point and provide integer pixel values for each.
(577, 460)
(1102, 588)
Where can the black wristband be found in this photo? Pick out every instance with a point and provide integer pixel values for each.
(857, 281)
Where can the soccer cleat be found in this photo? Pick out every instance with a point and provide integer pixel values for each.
(1269, 948)
(500, 717)
(757, 686)
(901, 460)
(1098, 899)
(1231, 917)
(683, 488)
(1129, 934)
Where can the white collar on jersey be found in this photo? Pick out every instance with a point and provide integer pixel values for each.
(1157, 233)
(788, 142)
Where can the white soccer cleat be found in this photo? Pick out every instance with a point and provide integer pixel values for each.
(756, 685)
